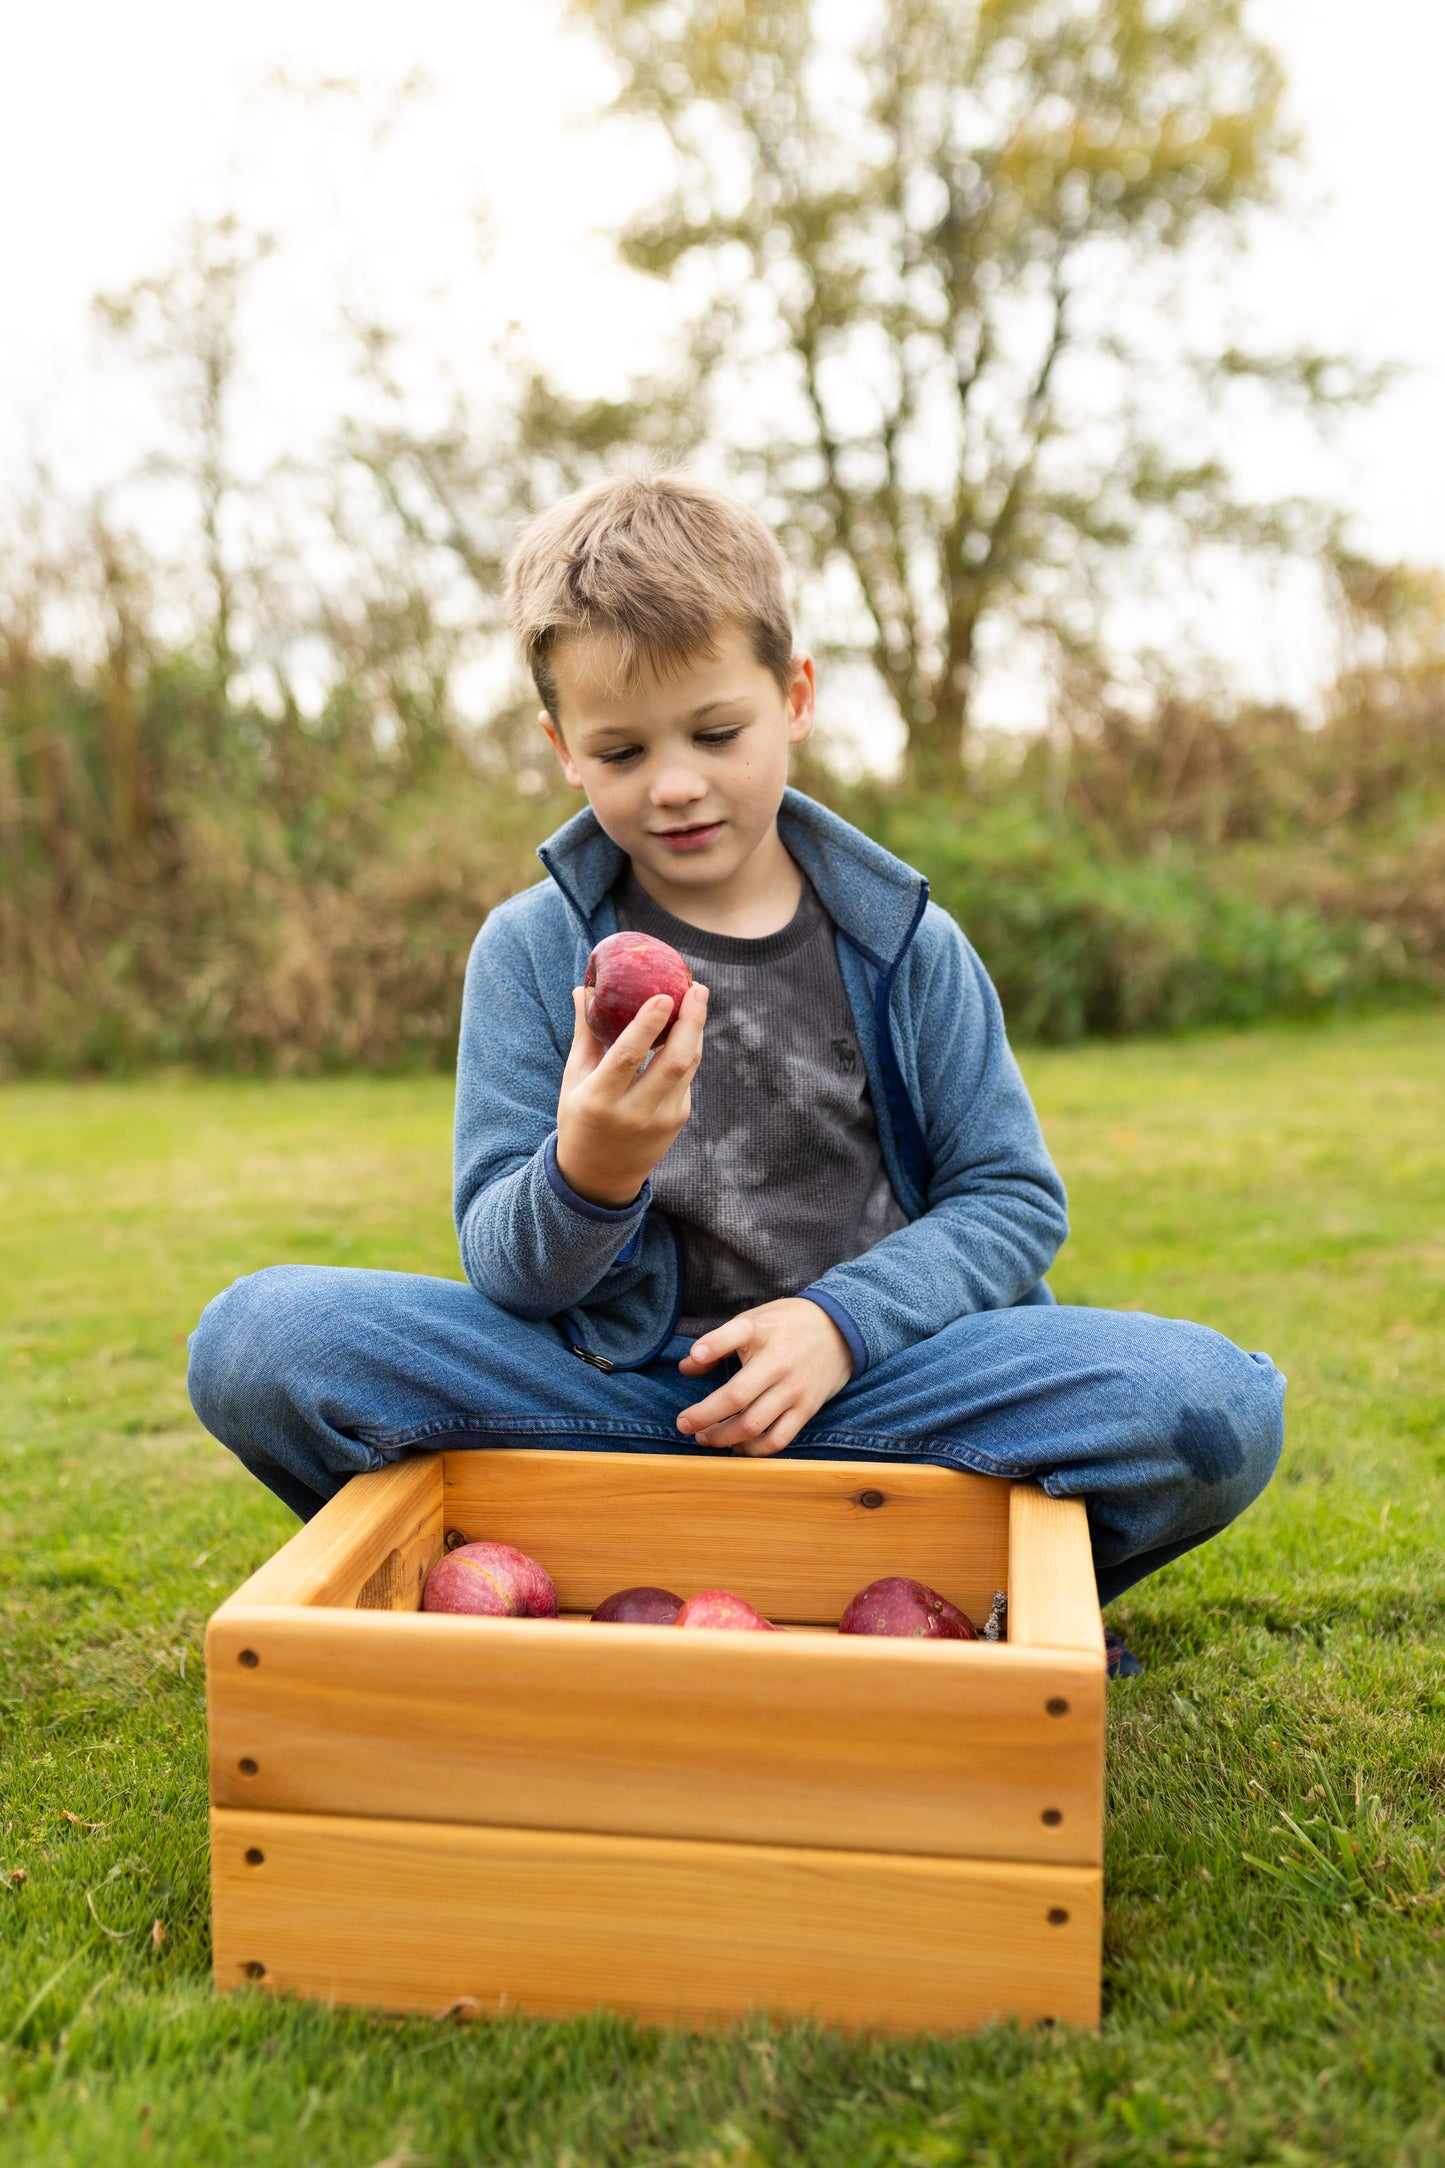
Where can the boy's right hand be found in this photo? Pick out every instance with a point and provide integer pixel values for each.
(615, 1119)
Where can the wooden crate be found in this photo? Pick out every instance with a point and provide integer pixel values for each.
(420, 1812)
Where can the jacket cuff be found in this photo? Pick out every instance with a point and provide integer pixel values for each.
(559, 1185)
(845, 1323)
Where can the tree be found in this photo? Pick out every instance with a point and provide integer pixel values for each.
(928, 259)
(186, 322)
(451, 499)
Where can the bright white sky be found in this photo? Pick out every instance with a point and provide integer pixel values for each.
(117, 122)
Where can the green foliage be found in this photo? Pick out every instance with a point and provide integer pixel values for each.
(216, 884)
(1195, 866)
(238, 888)
(1078, 941)
(1275, 1968)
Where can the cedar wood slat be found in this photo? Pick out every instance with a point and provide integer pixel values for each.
(941, 1747)
(418, 1916)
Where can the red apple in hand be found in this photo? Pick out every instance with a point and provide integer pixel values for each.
(624, 971)
(906, 1609)
(638, 1607)
(489, 1580)
(719, 1607)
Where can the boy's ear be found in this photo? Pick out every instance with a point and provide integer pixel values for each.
(559, 747)
(802, 692)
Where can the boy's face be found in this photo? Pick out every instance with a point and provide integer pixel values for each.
(685, 772)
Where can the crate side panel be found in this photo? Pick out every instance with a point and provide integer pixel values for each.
(798, 1739)
(796, 1538)
(415, 1917)
(375, 1541)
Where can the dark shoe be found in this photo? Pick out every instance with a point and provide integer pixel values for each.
(1122, 1663)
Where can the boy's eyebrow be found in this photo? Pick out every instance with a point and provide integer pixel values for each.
(723, 700)
(592, 733)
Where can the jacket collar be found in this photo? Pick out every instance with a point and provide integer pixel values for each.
(873, 898)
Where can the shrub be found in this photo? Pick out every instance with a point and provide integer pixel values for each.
(184, 877)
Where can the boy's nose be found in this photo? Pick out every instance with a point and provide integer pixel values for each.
(677, 786)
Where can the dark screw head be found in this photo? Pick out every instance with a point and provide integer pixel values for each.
(872, 1499)
(246, 1766)
(255, 1857)
(1058, 1917)
(1051, 1817)
(1056, 1705)
(249, 1658)
(453, 1539)
(254, 1970)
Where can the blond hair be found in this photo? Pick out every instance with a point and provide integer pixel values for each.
(656, 566)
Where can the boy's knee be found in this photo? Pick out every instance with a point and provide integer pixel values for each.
(1228, 1426)
(239, 1349)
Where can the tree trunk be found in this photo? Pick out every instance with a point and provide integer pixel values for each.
(936, 721)
(121, 729)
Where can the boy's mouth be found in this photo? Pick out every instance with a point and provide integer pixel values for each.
(695, 838)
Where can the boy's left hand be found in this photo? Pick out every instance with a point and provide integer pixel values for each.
(794, 1358)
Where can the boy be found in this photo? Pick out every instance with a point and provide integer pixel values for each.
(825, 1194)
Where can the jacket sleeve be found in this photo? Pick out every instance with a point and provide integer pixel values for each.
(996, 1212)
(527, 1240)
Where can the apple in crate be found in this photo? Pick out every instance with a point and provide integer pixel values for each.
(907, 1610)
(622, 973)
(638, 1607)
(719, 1607)
(489, 1580)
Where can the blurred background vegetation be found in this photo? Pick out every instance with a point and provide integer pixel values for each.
(258, 790)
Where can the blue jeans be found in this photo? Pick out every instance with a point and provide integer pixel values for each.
(312, 1374)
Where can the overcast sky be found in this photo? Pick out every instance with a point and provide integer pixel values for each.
(116, 122)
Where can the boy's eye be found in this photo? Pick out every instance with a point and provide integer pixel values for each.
(622, 756)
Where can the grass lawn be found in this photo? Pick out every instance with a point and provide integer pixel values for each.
(1288, 1187)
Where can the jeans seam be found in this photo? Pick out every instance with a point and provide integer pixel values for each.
(977, 1464)
(388, 1441)
(392, 1441)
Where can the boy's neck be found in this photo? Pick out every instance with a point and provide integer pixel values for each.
(759, 898)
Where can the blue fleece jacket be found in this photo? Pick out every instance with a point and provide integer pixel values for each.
(960, 1138)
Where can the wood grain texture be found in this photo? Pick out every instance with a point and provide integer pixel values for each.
(790, 1536)
(351, 1542)
(415, 1916)
(1053, 1600)
(811, 1739)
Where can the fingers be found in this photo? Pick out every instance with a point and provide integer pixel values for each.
(752, 1423)
(587, 1050)
(675, 1062)
(724, 1402)
(733, 1338)
(630, 1048)
(775, 1439)
(781, 1431)
(738, 1393)
(685, 1038)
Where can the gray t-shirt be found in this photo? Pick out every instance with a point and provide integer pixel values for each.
(778, 1174)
